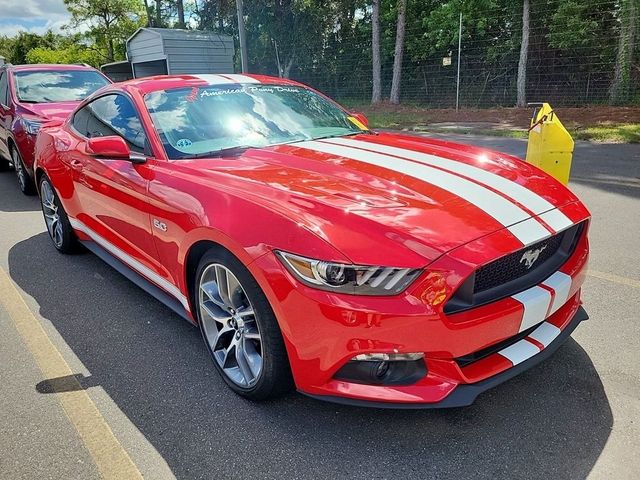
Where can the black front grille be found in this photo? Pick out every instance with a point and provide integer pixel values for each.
(514, 266)
(509, 275)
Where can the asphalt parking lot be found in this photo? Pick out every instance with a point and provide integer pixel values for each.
(159, 403)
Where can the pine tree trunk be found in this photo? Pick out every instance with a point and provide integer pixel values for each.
(376, 95)
(618, 91)
(148, 10)
(524, 55)
(286, 73)
(158, 22)
(180, 8)
(110, 49)
(399, 52)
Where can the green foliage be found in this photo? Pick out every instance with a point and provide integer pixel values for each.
(572, 25)
(109, 22)
(65, 54)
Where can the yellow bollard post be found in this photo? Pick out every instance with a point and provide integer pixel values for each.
(550, 146)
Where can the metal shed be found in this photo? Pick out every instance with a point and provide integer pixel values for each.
(118, 71)
(156, 51)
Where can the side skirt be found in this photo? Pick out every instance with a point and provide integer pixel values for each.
(156, 292)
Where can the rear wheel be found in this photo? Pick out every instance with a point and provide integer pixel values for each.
(56, 220)
(25, 181)
(240, 329)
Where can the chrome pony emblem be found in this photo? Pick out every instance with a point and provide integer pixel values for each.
(531, 256)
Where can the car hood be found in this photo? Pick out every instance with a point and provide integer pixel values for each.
(50, 111)
(377, 197)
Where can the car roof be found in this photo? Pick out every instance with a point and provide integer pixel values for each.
(49, 66)
(166, 82)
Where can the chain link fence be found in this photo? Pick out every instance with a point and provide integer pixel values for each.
(580, 53)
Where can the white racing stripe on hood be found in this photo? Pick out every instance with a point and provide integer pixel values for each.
(530, 200)
(504, 211)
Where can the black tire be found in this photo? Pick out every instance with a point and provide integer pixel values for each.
(26, 183)
(65, 240)
(5, 165)
(275, 376)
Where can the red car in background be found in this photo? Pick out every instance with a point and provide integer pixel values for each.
(361, 267)
(31, 95)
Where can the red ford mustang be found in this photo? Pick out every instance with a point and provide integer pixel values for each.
(31, 95)
(361, 267)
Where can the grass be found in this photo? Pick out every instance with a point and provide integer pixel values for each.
(411, 119)
(623, 133)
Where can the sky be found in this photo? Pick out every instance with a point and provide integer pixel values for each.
(35, 16)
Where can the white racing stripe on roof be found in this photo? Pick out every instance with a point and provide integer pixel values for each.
(213, 79)
(501, 209)
(529, 199)
(237, 78)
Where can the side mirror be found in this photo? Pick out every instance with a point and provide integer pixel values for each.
(113, 147)
(361, 117)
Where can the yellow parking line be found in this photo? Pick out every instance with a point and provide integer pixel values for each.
(110, 457)
(614, 278)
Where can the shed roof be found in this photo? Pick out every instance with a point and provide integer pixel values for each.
(175, 33)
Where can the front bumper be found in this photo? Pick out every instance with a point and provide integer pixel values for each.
(323, 331)
(465, 394)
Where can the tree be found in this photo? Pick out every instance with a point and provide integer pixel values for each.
(109, 22)
(376, 94)
(300, 28)
(25, 41)
(619, 91)
(399, 51)
(147, 10)
(65, 54)
(180, 9)
(524, 55)
(158, 20)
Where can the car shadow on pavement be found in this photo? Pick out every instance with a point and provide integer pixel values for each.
(14, 200)
(553, 420)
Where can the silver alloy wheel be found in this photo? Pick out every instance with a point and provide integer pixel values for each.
(17, 164)
(229, 325)
(51, 216)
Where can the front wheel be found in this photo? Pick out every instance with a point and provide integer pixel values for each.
(25, 182)
(56, 220)
(240, 328)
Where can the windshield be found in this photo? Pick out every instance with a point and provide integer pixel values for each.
(44, 86)
(194, 122)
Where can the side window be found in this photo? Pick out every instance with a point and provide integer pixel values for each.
(111, 115)
(4, 100)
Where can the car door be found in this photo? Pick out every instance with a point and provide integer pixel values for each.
(6, 114)
(111, 194)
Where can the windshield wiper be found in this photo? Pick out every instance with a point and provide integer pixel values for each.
(335, 135)
(229, 151)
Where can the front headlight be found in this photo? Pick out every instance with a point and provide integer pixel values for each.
(32, 127)
(351, 279)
